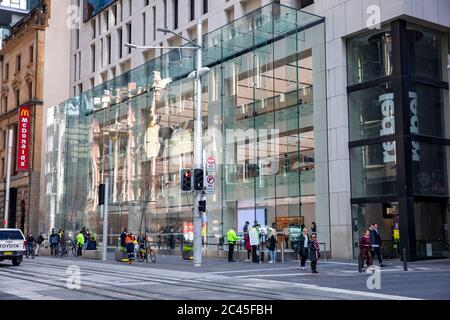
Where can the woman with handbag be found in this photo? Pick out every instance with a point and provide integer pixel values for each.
(314, 253)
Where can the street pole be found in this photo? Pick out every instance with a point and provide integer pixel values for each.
(8, 176)
(198, 150)
(105, 221)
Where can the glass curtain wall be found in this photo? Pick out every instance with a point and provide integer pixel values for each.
(266, 81)
(390, 167)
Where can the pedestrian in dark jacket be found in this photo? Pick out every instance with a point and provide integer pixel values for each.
(314, 253)
(123, 235)
(303, 248)
(375, 240)
(272, 245)
(364, 251)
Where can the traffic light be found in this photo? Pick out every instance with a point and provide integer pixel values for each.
(202, 206)
(199, 178)
(186, 180)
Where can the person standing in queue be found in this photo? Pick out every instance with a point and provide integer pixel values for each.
(80, 243)
(231, 238)
(314, 253)
(254, 242)
(303, 248)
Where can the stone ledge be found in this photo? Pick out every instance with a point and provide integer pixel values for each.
(92, 254)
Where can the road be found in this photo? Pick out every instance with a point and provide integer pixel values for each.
(47, 278)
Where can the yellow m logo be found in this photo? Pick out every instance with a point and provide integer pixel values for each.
(24, 113)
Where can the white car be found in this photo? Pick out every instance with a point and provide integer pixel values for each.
(13, 245)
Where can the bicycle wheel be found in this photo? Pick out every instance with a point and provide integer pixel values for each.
(152, 255)
(74, 250)
(141, 256)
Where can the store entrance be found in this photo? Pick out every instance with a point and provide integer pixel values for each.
(385, 215)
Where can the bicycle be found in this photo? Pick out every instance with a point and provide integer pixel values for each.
(71, 246)
(146, 253)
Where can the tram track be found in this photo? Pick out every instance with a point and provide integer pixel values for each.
(141, 293)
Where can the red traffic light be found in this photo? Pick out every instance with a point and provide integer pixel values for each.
(188, 174)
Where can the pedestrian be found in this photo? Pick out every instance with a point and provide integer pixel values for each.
(254, 242)
(130, 247)
(231, 238)
(272, 245)
(245, 229)
(364, 250)
(375, 240)
(303, 248)
(39, 242)
(80, 243)
(313, 228)
(54, 241)
(314, 253)
(123, 235)
(248, 247)
(30, 242)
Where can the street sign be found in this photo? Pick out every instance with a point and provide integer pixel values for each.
(211, 164)
(210, 185)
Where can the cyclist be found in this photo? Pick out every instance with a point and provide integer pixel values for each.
(30, 244)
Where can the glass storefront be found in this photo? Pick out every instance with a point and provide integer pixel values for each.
(262, 104)
(405, 173)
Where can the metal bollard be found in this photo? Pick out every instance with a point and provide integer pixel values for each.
(282, 252)
(405, 262)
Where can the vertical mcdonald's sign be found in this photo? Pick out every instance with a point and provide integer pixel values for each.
(23, 137)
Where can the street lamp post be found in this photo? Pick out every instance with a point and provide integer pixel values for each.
(198, 127)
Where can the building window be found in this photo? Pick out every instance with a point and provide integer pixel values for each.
(131, 7)
(75, 71)
(175, 15)
(108, 44)
(30, 91)
(114, 10)
(93, 58)
(93, 27)
(205, 6)
(17, 94)
(120, 40)
(6, 71)
(165, 13)
(154, 23)
(144, 31)
(192, 10)
(31, 51)
(128, 37)
(305, 3)
(18, 62)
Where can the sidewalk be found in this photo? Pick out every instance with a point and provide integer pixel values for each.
(176, 263)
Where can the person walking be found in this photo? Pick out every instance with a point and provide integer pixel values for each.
(30, 243)
(254, 242)
(231, 238)
(314, 253)
(364, 250)
(375, 240)
(80, 243)
(303, 248)
(272, 241)
(39, 242)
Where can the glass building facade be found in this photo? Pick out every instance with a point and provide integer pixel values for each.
(399, 122)
(264, 121)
